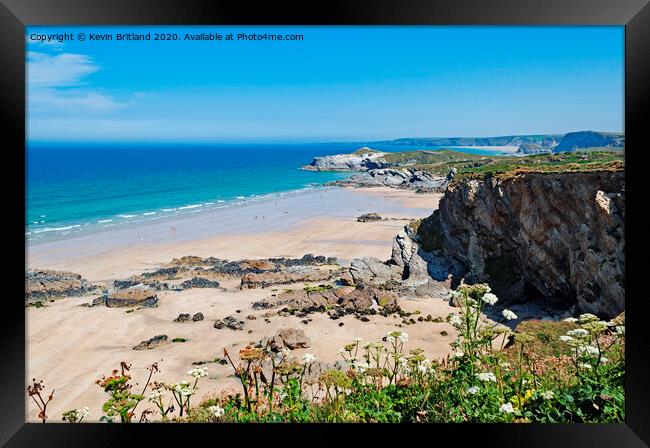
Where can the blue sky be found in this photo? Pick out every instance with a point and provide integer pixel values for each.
(338, 84)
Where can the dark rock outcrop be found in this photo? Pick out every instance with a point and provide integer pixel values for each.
(154, 342)
(403, 178)
(205, 272)
(197, 317)
(417, 254)
(229, 322)
(555, 237)
(370, 270)
(134, 296)
(43, 284)
(199, 282)
(337, 301)
(369, 217)
(183, 317)
(285, 276)
(290, 338)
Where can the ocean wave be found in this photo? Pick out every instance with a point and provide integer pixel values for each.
(140, 217)
(56, 229)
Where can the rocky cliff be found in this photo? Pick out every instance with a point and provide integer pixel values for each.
(405, 178)
(558, 238)
(574, 141)
(361, 160)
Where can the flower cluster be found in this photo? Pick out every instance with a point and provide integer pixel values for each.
(216, 410)
(487, 376)
(199, 372)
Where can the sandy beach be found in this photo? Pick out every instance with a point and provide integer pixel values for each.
(70, 346)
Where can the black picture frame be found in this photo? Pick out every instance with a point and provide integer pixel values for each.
(16, 14)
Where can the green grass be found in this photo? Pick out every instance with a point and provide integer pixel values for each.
(364, 151)
(582, 161)
(429, 157)
(179, 340)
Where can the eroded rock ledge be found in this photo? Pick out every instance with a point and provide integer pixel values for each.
(46, 284)
(557, 238)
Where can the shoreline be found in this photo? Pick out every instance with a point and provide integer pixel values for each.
(292, 223)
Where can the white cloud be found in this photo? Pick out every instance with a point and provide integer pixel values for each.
(61, 70)
(55, 84)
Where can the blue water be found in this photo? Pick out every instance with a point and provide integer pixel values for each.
(73, 188)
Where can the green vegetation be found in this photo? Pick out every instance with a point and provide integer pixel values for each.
(543, 372)
(179, 340)
(430, 157)
(365, 151)
(472, 165)
(579, 161)
(319, 288)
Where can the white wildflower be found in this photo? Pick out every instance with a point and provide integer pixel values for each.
(507, 408)
(390, 339)
(199, 372)
(509, 315)
(424, 366)
(457, 355)
(620, 330)
(604, 360)
(308, 358)
(566, 338)
(486, 376)
(585, 366)
(578, 332)
(155, 395)
(404, 337)
(548, 395)
(490, 298)
(587, 317)
(453, 294)
(217, 411)
(363, 366)
(358, 339)
(473, 390)
(571, 320)
(455, 320)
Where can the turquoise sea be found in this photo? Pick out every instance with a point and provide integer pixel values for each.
(74, 188)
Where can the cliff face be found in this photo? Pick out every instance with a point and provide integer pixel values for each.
(557, 237)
